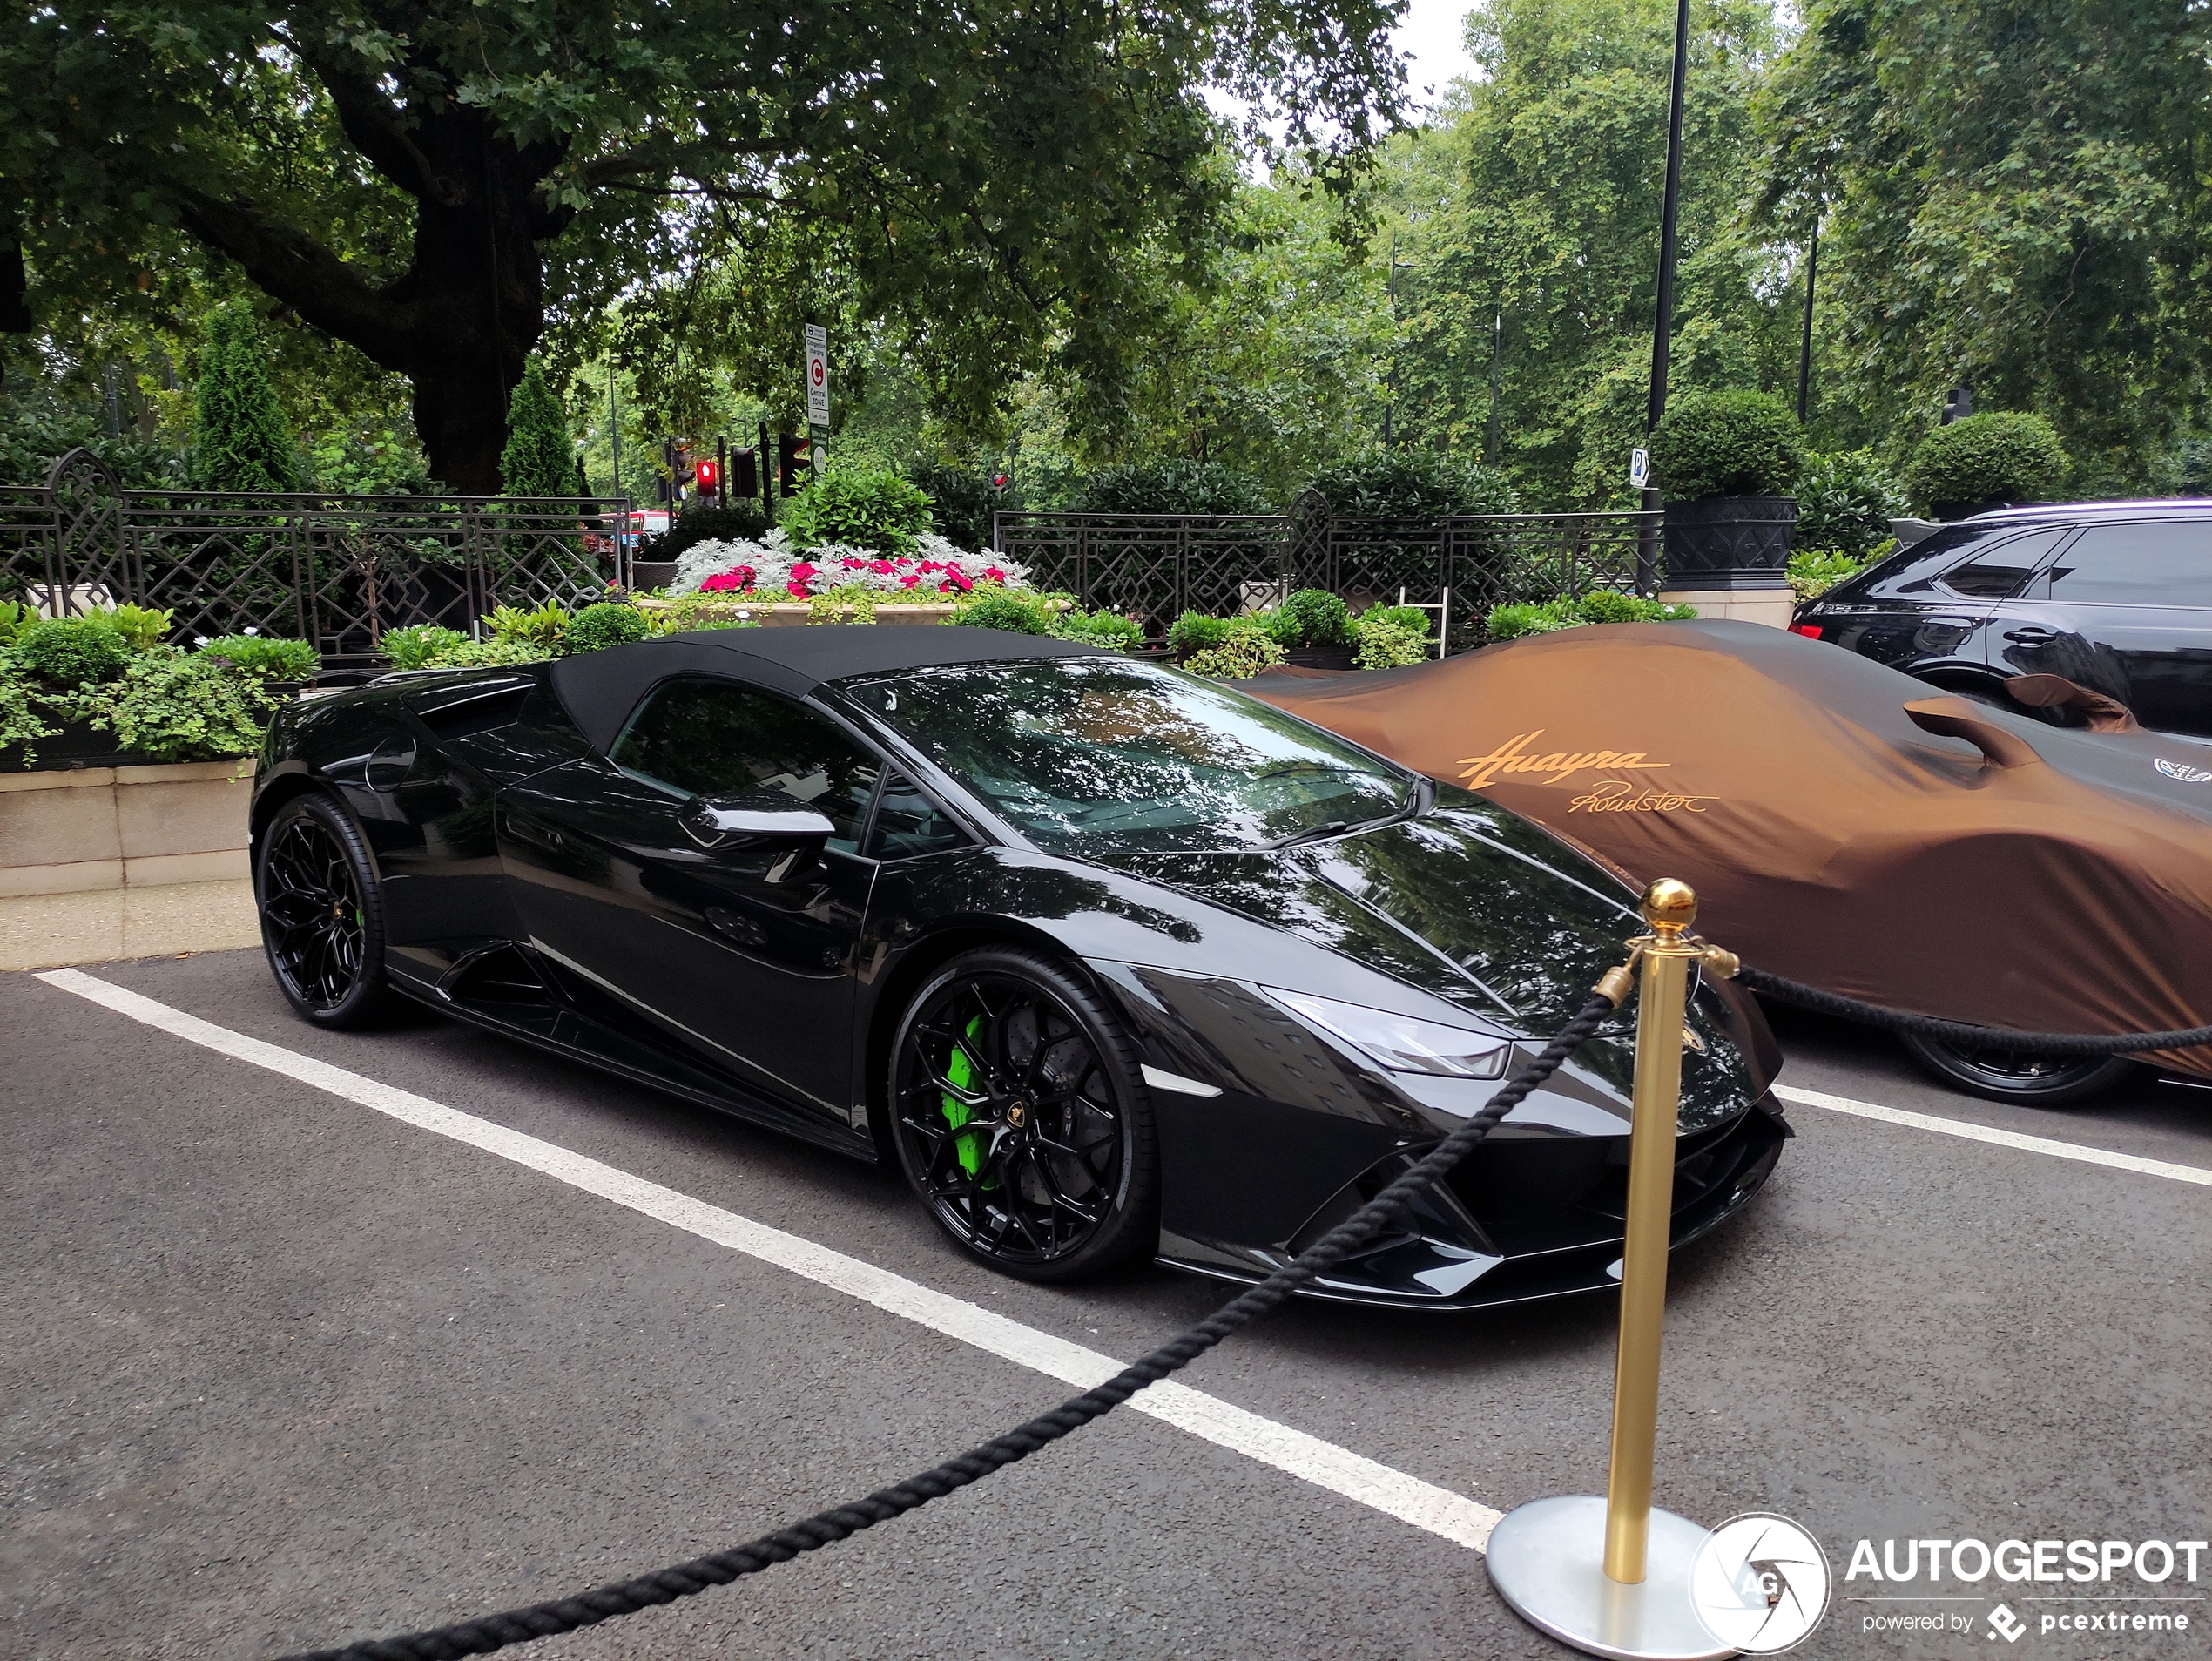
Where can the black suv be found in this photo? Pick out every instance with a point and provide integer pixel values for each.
(2114, 595)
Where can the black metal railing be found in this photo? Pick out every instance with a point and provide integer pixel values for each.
(337, 570)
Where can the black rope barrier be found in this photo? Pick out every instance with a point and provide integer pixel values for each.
(1964, 1032)
(491, 1632)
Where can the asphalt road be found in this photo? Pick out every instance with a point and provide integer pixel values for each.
(282, 1371)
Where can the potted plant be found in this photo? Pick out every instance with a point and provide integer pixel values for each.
(1314, 629)
(2003, 459)
(1724, 463)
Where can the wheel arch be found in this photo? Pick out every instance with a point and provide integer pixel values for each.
(288, 786)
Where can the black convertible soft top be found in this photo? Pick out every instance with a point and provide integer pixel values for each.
(599, 689)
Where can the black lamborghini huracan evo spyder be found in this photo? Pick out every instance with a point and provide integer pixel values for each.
(1113, 962)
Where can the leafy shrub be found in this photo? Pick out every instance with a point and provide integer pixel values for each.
(868, 508)
(1015, 610)
(1312, 617)
(1813, 572)
(1727, 443)
(177, 706)
(741, 521)
(2005, 456)
(1170, 487)
(607, 624)
(1413, 484)
(488, 654)
(1109, 629)
(415, 647)
(1385, 644)
(15, 616)
(1194, 632)
(683, 613)
(542, 627)
(1601, 606)
(143, 627)
(265, 658)
(1845, 501)
(1398, 617)
(68, 653)
(19, 718)
(240, 440)
(1244, 652)
(961, 502)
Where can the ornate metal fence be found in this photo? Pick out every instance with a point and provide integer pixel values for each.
(1155, 566)
(334, 570)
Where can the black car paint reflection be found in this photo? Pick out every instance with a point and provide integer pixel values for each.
(540, 890)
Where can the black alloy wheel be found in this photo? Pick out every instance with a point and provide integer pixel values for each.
(322, 917)
(2013, 1076)
(1020, 1114)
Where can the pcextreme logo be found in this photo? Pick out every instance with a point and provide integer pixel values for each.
(1513, 756)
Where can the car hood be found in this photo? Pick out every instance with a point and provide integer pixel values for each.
(1477, 906)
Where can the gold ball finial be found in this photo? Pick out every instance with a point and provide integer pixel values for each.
(1669, 906)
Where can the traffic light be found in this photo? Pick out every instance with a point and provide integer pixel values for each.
(707, 474)
(743, 479)
(792, 455)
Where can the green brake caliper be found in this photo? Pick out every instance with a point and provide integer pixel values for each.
(960, 1075)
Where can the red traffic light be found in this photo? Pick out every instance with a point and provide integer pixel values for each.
(706, 474)
(998, 481)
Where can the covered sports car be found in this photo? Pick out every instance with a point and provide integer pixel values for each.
(1111, 961)
(1844, 825)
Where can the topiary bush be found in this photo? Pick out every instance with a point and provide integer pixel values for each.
(539, 459)
(1984, 462)
(65, 653)
(1170, 487)
(240, 439)
(1845, 501)
(1727, 443)
(265, 658)
(742, 521)
(607, 624)
(1312, 617)
(869, 507)
(1413, 484)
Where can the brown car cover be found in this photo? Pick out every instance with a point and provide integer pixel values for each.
(1844, 824)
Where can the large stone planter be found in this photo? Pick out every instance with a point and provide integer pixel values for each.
(113, 828)
(1729, 557)
(797, 613)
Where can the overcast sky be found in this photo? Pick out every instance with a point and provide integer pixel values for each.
(1430, 38)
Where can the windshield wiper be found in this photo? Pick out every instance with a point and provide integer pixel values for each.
(1424, 798)
(1311, 833)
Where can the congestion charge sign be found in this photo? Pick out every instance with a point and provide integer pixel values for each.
(817, 375)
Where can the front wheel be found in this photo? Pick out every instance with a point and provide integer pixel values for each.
(322, 916)
(2014, 1076)
(1020, 1118)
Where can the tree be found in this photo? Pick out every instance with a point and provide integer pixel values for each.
(240, 435)
(2018, 204)
(540, 457)
(436, 181)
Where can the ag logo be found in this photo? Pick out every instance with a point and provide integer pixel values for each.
(2186, 773)
(1759, 1583)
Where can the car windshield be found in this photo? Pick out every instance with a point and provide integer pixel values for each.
(1096, 756)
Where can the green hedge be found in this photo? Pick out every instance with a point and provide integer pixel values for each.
(1170, 487)
(2005, 456)
(1727, 443)
(1413, 484)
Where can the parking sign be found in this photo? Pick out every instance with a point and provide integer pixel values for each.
(1639, 468)
(817, 375)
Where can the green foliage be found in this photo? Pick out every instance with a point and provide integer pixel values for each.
(1170, 487)
(1410, 483)
(1601, 605)
(1109, 629)
(962, 502)
(15, 616)
(1400, 616)
(1845, 501)
(265, 658)
(1195, 631)
(684, 613)
(742, 521)
(1726, 444)
(848, 602)
(1244, 650)
(541, 627)
(1997, 457)
(143, 627)
(1386, 642)
(861, 508)
(177, 706)
(1312, 617)
(540, 457)
(1014, 611)
(65, 653)
(240, 438)
(607, 624)
(1813, 572)
(420, 646)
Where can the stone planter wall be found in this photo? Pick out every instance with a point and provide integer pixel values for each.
(113, 828)
(797, 613)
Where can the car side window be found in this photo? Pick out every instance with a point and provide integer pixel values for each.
(715, 738)
(2154, 563)
(2001, 571)
(1911, 573)
(907, 822)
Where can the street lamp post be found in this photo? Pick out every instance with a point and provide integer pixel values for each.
(1663, 322)
(1390, 396)
(1805, 350)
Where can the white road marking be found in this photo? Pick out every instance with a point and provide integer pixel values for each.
(2015, 1139)
(1439, 1510)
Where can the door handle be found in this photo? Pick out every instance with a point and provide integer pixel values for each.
(2033, 635)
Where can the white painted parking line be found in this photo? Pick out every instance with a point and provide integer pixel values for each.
(2015, 1139)
(1439, 1510)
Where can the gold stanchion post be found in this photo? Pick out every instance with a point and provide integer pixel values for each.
(1611, 1576)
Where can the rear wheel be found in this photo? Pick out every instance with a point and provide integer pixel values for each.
(2014, 1076)
(322, 916)
(1021, 1118)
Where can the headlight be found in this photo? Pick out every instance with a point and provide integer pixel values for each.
(1399, 1043)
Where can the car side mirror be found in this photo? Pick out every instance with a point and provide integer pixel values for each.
(754, 817)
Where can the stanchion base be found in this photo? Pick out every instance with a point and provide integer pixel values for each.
(1548, 1561)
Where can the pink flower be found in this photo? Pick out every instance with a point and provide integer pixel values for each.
(796, 587)
(880, 567)
(995, 573)
(910, 580)
(737, 578)
(850, 563)
(802, 570)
